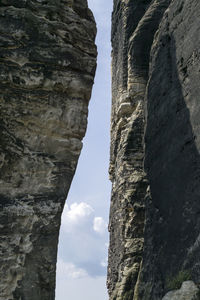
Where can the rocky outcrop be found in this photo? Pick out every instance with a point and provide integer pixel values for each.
(154, 166)
(172, 151)
(188, 291)
(48, 61)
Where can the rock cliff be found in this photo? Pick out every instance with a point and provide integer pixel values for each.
(48, 61)
(155, 145)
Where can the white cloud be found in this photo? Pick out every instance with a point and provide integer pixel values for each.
(99, 225)
(69, 270)
(78, 211)
(82, 240)
(76, 216)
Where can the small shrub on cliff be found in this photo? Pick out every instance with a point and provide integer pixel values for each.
(197, 296)
(176, 282)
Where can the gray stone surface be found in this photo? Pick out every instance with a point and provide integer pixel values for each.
(156, 75)
(133, 28)
(188, 291)
(48, 61)
(172, 151)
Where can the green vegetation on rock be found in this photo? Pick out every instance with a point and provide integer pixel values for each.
(175, 283)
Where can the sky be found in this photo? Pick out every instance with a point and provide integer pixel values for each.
(83, 241)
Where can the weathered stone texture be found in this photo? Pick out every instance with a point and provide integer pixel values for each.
(134, 25)
(155, 83)
(172, 160)
(48, 61)
(188, 291)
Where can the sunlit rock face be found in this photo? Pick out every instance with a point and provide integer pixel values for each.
(48, 61)
(154, 166)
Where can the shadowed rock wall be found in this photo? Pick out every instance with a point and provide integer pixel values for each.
(154, 216)
(172, 154)
(48, 61)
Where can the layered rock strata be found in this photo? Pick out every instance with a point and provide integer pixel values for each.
(48, 61)
(154, 216)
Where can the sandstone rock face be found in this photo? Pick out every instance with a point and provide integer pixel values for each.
(172, 144)
(188, 291)
(48, 61)
(155, 141)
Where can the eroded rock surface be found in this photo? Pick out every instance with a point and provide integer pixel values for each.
(48, 61)
(133, 29)
(188, 291)
(155, 83)
(172, 149)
